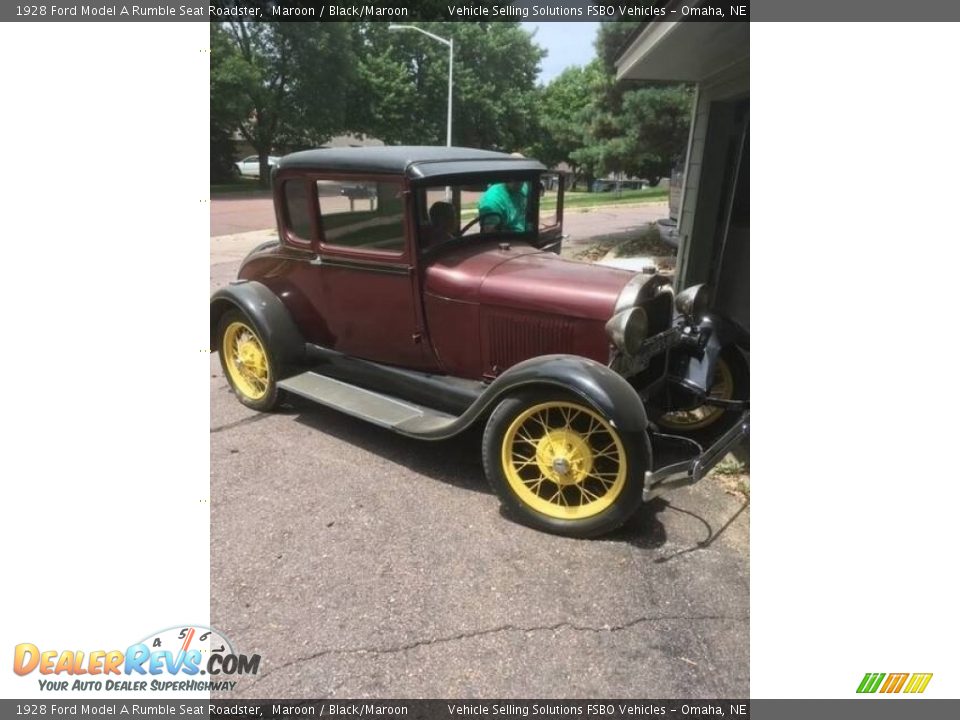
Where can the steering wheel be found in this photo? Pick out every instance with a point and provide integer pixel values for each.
(477, 219)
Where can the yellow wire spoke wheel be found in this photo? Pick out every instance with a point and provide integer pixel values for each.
(563, 460)
(246, 361)
(705, 415)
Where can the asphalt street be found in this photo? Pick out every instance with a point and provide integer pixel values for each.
(358, 563)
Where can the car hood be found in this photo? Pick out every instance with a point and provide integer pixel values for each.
(521, 277)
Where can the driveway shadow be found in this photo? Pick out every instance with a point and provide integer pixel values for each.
(457, 462)
(711, 534)
(644, 530)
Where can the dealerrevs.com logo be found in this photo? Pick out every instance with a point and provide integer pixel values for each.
(175, 658)
(894, 683)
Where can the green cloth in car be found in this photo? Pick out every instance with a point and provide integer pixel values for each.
(510, 205)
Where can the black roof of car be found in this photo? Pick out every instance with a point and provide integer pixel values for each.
(415, 161)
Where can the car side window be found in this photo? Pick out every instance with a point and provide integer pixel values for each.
(548, 189)
(439, 212)
(297, 204)
(362, 215)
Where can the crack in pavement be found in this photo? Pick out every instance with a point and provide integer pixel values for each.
(491, 631)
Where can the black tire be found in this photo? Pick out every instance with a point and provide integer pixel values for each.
(540, 504)
(732, 368)
(244, 378)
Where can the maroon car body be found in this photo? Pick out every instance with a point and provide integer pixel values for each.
(400, 291)
(513, 302)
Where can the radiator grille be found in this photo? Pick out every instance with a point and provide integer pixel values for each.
(513, 338)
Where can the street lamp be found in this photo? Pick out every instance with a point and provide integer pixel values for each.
(449, 44)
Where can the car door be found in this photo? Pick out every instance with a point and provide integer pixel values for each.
(367, 285)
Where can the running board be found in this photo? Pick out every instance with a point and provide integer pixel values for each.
(383, 410)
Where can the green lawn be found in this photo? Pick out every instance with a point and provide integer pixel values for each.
(586, 200)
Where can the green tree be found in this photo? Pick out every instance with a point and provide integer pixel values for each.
(565, 107)
(224, 107)
(635, 128)
(280, 83)
(658, 129)
(401, 93)
(612, 39)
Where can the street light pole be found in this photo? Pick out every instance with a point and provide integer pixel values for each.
(449, 44)
(450, 98)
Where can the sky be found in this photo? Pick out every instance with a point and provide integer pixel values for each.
(566, 44)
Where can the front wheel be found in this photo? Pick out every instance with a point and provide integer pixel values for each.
(560, 466)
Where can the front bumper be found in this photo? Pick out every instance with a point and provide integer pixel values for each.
(688, 472)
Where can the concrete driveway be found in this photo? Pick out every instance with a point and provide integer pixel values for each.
(358, 563)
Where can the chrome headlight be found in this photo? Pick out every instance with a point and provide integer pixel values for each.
(628, 329)
(694, 301)
(641, 287)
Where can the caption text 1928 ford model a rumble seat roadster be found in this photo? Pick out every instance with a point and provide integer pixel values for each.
(420, 288)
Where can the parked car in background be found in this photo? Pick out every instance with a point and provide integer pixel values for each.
(250, 166)
(608, 185)
(420, 289)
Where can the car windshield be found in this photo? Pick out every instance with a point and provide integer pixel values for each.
(491, 206)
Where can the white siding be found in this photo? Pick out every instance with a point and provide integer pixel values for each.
(731, 82)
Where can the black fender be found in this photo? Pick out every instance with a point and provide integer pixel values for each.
(611, 395)
(268, 314)
(599, 386)
(697, 370)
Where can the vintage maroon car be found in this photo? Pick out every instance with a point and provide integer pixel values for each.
(421, 289)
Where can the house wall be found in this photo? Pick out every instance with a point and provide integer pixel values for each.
(714, 220)
(703, 178)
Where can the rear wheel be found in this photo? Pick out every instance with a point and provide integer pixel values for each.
(560, 466)
(247, 362)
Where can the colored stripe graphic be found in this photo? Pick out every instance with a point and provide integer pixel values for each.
(870, 682)
(915, 683)
(894, 682)
(918, 682)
